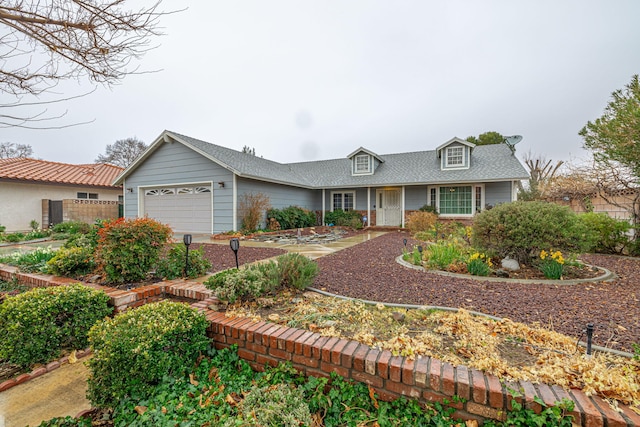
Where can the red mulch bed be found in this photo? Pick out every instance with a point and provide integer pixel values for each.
(222, 257)
(369, 271)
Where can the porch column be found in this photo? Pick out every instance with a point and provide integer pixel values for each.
(402, 208)
(234, 203)
(368, 206)
(323, 205)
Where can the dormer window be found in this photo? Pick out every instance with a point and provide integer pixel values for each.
(362, 163)
(455, 156)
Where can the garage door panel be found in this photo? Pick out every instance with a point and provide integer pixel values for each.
(181, 209)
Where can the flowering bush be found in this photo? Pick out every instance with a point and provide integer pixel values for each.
(479, 264)
(129, 248)
(551, 264)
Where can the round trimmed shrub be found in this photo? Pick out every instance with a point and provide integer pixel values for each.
(522, 229)
(74, 261)
(129, 248)
(37, 325)
(133, 351)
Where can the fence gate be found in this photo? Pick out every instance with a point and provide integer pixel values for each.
(55, 212)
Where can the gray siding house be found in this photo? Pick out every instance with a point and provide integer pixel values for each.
(195, 186)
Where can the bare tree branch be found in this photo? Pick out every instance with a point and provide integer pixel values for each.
(46, 42)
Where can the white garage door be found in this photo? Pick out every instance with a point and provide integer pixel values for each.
(184, 209)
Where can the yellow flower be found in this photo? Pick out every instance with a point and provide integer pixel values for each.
(543, 254)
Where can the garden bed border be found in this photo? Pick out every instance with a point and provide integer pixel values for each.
(426, 379)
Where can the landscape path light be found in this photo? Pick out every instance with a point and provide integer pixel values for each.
(235, 245)
(187, 239)
(589, 339)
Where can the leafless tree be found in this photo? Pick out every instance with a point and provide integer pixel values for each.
(123, 152)
(43, 43)
(10, 150)
(612, 182)
(540, 171)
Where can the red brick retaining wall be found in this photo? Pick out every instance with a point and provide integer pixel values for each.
(426, 379)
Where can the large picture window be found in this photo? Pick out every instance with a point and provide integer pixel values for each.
(454, 200)
(344, 201)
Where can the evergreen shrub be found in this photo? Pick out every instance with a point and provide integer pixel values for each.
(37, 325)
(134, 350)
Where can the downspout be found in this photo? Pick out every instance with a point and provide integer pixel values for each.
(234, 203)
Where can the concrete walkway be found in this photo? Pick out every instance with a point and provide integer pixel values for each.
(62, 392)
(56, 394)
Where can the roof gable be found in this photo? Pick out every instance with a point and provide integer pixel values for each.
(365, 151)
(454, 140)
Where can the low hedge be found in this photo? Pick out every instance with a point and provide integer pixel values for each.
(37, 325)
(133, 351)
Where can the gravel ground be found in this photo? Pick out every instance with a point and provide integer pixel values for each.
(369, 271)
(222, 257)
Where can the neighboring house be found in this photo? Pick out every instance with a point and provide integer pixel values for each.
(619, 204)
(195, 186)
(50, 192)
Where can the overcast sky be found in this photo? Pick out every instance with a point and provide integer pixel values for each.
(304, 80)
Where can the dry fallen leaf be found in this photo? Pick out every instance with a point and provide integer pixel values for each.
(141, 409)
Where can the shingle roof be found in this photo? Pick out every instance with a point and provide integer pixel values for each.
(25, 169)
(488, 163)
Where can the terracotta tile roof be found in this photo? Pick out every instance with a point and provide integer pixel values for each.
(25, 169)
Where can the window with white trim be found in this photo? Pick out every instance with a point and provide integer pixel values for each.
(83, 195)
(455, 200)
(465, 200)
(454, 156)
(362, 163)
(345, 201)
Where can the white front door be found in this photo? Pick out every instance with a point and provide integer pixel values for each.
(389, 207)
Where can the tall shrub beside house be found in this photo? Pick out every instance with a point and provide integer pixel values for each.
(522, 230)
(129, 248)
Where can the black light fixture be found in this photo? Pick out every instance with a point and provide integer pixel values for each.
(235, 245)
(187, 238)
(405, 243)
(420, 249)
(221, 184)
(589, 338)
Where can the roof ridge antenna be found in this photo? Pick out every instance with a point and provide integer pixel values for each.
(511, 141)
